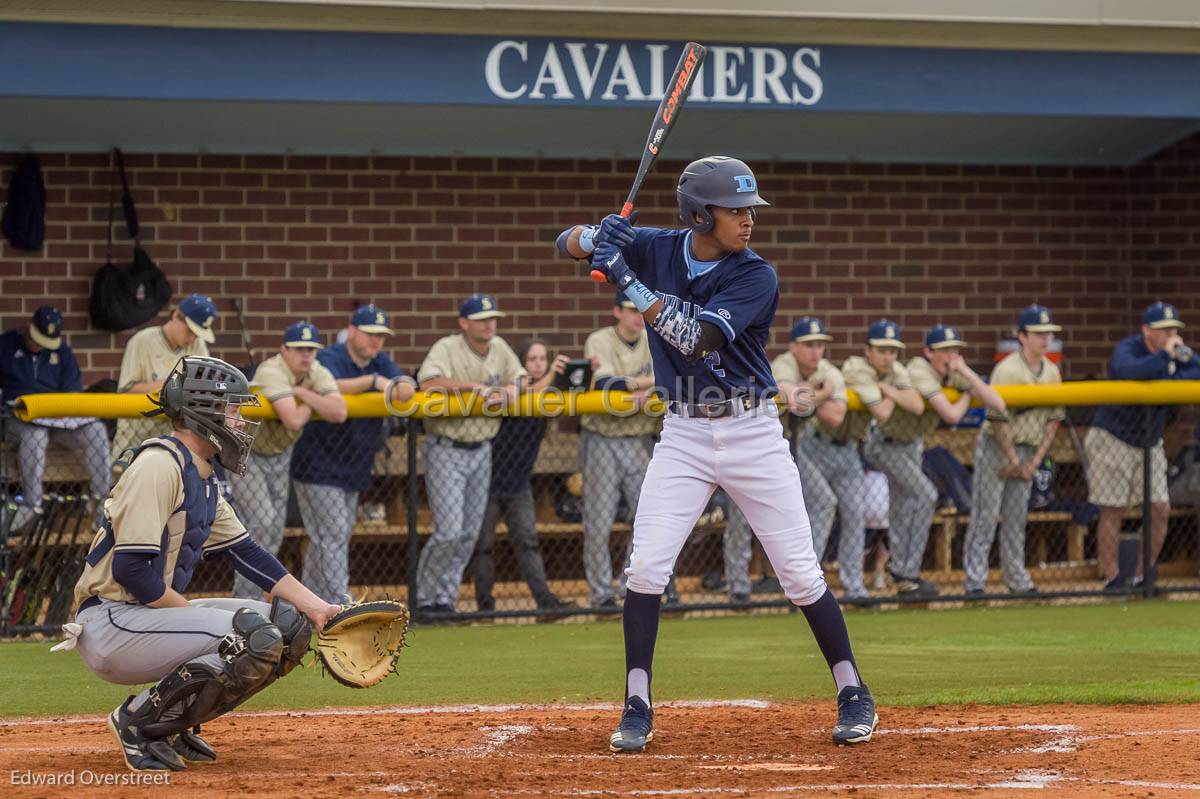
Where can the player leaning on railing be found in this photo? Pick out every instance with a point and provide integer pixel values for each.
(709, 301)
(1115, 442)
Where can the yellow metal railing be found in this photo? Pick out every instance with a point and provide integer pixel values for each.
(553, 403)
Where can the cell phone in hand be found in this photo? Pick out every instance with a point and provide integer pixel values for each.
(575, 376)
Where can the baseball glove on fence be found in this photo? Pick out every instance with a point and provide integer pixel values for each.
(360, 645)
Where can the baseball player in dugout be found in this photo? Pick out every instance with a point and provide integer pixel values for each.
(614, 449)
(36, 360)
(1008, 451)
(478, 364)
(810, 386)
(152, 353)
(297, 386)
(331, 462)
(940, 366)
(1114, 443)
(891, 445)
(709, 301)
(134, 625)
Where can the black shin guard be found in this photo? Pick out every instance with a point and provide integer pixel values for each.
(196, 692)
(297, 635)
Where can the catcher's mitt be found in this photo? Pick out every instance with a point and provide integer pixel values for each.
(359, 646)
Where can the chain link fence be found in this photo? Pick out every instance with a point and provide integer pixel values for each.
(524, 516)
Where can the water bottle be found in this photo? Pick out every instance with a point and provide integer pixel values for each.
(1183, 353)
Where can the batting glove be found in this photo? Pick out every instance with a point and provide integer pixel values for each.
(610, 261)
(616, 229)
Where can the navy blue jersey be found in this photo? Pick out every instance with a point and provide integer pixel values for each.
(23, 372)
(342, 455)
(738, 294)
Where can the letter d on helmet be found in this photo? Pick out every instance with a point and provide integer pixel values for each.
(715, 180)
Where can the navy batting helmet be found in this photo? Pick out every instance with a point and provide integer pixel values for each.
(715, 180)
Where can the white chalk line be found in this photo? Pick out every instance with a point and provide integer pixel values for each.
(1021, 781)
(409, 710)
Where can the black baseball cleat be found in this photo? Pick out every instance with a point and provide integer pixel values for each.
(636, 728)
(192, 748)
(141, 753)
(857, 718)
(914, 588)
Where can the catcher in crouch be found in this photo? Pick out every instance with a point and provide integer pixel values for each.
(133, 624)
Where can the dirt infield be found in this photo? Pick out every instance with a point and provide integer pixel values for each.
(740, 749)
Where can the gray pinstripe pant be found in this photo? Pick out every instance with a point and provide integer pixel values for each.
(90, 439)
(328, 513)
(913, 500)
(612, 467)
(841, 471)
(261, 497)
(995, 499)
(457, 481)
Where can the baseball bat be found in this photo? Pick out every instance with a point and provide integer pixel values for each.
(247, 342)
(664, 119)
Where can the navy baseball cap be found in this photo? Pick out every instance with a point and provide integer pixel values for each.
(199, 312)
(810, 328)
(302, 334)
(46, 329)
(1037, 319)
(1161, 315)
(884, 333)
(623, 301)
(371, 319)
(480, 306)
(940, 337)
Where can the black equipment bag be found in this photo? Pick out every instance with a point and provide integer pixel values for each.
(127, 296)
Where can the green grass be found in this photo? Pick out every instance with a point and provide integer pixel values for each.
(1108, 653)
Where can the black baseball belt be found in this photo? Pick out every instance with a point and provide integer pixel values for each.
(736, 406)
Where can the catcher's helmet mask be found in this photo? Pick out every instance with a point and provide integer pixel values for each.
(199, 393)
(715, 180)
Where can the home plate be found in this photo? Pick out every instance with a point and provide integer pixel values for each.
(771, 767)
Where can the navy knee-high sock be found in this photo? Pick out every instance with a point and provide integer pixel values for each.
(829, 628)
(640, 620)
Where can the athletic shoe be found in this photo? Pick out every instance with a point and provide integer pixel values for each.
(857, 718)
(636, 728)
(739, 599)
(607, 604)
(1115, 585)
(192, 748)
(1030, 590)
(552, 602)
(915, 588)
(857, 600)
(140, 753)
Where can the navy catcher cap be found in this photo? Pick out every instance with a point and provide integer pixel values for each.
(371, 319)
(940, 337)
(302, 334)
(480, 306)
(1161, 315)
(884, 333)
(1037, 319)
(810, 328)
(199, 312)
(46, 329)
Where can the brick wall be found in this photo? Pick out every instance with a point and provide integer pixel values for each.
(310, 237)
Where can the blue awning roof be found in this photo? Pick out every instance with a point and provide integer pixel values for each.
(171, 89)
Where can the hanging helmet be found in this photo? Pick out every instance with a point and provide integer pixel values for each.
(715, 180)
(199, 393)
